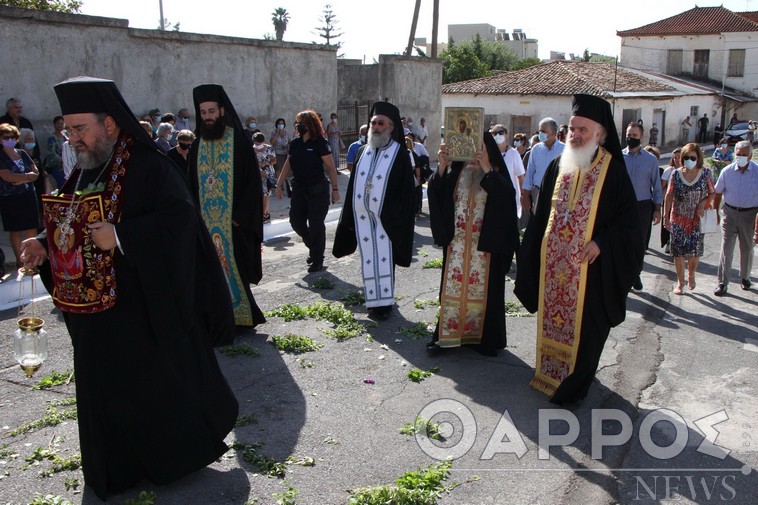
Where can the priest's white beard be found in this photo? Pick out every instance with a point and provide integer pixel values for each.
(575, 159)
(379, 140)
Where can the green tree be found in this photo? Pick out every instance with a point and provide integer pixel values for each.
(329, 29)
(526, 63)
(280, 17)
(459, 63)
(68, 6)
(586, 56)
(169, 25)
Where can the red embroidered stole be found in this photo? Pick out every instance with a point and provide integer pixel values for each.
(84, 277)
(464, 290)
(564, 279)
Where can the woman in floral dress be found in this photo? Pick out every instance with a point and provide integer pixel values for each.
(688, 194)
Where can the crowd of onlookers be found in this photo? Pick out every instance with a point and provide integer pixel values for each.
(691, 185)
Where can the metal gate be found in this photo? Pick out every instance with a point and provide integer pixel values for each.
(351, 118)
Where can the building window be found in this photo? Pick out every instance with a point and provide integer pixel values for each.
(700, 68)
(674, 63)
(736, 63)
(694, 112)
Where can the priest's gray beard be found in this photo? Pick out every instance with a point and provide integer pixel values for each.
(575, 159)
(89, 157)
(379, 140)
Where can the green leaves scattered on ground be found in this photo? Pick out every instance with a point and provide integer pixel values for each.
(286, 498)
(55, 379)
(304, 363)
(62, 465)
(515, 309)
(241, 349)
(353, 298)
(418, 331)
(66, 402)
(420, 303)
(144, 498)
(345, 325)
(421, 487)
(295, 344)
(435, 263)
(265, 464)
(418, 375)
(423, 427)
(322, 283)
(52, 417)
(49, 499)
(71, 483)
(245, 420)
(422, 253)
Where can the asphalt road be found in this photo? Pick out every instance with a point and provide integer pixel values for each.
(676, 367)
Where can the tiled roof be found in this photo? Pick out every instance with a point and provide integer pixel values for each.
(697, 21)
(752, 16)
(560, 78)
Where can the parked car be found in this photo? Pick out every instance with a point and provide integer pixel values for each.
(738, 131)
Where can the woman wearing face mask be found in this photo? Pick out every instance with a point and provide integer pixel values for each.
(688, 195)
(334, 135)
(309, 154)
(165, 130)
(18, 198)
(521, 144)
(280, 141)
(674, 163)
(179, 153)
(251, 127)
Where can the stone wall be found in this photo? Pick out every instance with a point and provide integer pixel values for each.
(154, 68)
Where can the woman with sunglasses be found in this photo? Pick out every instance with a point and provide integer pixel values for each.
(687, 196)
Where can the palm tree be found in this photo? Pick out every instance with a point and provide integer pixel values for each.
(280, 17)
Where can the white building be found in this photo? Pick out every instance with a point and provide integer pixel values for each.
(710, 45)
(517, 40)
(520, 99)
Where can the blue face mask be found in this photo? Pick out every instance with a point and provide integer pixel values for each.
(363, 139)
(29, 145)
(280, 126)
(543, 136)
(9, 143)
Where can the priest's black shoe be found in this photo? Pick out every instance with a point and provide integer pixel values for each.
(745, 284)
(309, 260)
(720, 290)
(380, 313)
(637, 286)
(432, 349)
(316, 266)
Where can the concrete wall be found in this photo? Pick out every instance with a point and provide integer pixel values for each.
(412, 83)
(154, 68)
(504, 107)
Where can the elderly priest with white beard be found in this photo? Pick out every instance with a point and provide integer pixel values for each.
(580, 254)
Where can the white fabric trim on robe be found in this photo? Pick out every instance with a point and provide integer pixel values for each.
(370, 186)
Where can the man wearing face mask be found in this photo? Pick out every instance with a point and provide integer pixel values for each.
(646, 178)
(512, 161)
(352, 151)
(738, 186)
(182, 119)
(723, 153)
(540, 157)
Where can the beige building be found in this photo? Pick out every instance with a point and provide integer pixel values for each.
(520, 99)
(517, 40)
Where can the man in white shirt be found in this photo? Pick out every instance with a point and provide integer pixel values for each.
(420, 131)
(540, 157)
(512, 161)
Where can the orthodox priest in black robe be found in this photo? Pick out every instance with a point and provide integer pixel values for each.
(472, 208)
(379, 210)
(226, 185)
(580, 253)
(131, 266)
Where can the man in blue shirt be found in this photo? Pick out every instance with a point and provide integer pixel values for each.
(352, 150)
(646, 178)
(738, 184)
(540, 157)
(723, 153)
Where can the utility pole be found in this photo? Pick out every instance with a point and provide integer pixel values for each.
(412, 36)
(435, 26)
(163, 21)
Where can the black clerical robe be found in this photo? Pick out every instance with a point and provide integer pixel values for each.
(398, 212)
(152, 402)
(247, 212)
(498, 236)
(609, 277)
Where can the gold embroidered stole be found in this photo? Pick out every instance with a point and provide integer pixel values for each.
(84, 276)
(464, 290)
(564, 275)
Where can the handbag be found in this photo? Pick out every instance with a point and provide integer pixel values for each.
(708, 222)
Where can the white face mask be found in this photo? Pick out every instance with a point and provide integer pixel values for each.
(741, 160)
(252, 125)
(363, 139)
(280, 126)
(499, 139)
(516, 143)
(689, 164)
(543, 136)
